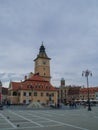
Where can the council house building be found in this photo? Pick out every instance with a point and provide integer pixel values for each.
(37, 86)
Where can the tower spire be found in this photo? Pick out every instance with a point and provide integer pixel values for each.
(42, 48)
(42, 64)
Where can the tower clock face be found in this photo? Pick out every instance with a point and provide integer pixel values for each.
(41, 62)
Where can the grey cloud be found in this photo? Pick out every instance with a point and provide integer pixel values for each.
(6, 77)
(68, 28)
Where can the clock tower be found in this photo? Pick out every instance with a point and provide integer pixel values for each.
(42, 64)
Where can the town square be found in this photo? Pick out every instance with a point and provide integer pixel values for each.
(49, 119)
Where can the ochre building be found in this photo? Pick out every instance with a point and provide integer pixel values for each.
(35, 87)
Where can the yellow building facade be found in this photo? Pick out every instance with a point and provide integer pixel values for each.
(35, 87)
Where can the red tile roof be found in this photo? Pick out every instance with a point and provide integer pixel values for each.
(91, 90)
(33, 83)
(36, 77)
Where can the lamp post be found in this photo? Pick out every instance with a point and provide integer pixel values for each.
(86, 74)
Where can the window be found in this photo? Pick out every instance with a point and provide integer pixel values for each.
(14, 93)
(35, 93)
(47, 94)
(30, 94)
(24, 94)
(31, 86)
(40, 86)
(36, 86)
(44, 62)
(19, 94)
(27, 86)
(52, 94)
(41, 94)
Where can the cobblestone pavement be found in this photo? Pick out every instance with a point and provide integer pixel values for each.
(73, 119)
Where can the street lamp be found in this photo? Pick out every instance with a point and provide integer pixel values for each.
(86, 74)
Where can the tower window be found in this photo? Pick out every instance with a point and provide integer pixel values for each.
(44, 62)
(44, 73)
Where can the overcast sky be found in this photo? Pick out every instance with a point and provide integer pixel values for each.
(68, 28)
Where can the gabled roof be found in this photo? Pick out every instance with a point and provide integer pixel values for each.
(33, 83)
(15, 85)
